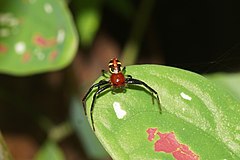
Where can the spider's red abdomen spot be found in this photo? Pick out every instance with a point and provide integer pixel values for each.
(117, 80)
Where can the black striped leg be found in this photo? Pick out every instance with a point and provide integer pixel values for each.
(99, 84)
(130, 80)
(129, 76)
(100, 90)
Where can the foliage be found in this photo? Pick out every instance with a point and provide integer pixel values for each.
(50, 150)
(30, 43)
(199, 119)
(228, 81)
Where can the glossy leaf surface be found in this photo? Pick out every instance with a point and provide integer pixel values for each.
(35, 36)
(198, 121)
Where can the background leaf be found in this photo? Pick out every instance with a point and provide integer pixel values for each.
(92, 146)
(88, 19)
(201, 119)
(35, 36)
(228, 81)
(50, 150)
(125, 8)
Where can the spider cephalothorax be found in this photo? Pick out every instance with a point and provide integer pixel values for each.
(117, 80)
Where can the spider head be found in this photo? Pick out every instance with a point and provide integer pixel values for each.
(115, 66)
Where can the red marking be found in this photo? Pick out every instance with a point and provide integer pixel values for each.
(169, 144)
(53, 55)
(183, 153)
(26, 57)
(117, 80)
(151, 133)
(3, 48)
(44, 42)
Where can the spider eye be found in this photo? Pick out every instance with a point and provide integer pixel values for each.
(111, 69)
(114, 65)
(115, 69)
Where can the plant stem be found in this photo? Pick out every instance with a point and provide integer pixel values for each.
(131, 49)
(61, 131)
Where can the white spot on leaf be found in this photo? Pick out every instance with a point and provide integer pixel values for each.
(4, 32)
(120, 113)
(13, 22)
(48, 8)
(40, 55)
(185, 96)
(8, 19)
(60, 35)
(20, 47)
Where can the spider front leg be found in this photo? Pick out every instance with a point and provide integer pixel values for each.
(129, 76)
(100, 90)
(99, 84)
(130, 80)
(105, 73)
(124, 70)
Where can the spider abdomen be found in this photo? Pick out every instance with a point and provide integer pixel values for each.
(117, 80)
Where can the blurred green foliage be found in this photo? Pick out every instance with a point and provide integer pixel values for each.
(35, 36)
(50, 150)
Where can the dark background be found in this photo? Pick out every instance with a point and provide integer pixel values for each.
(201, 36)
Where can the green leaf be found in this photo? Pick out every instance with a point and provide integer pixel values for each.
(199, 120)
(228, 81)
(50, 150)
(35, 36)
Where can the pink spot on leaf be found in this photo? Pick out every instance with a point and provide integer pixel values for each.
(184, 153)
(44, 42)
(53, 55)
(168, 143)
(3, 48)
(26, 57)
(151, 133)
